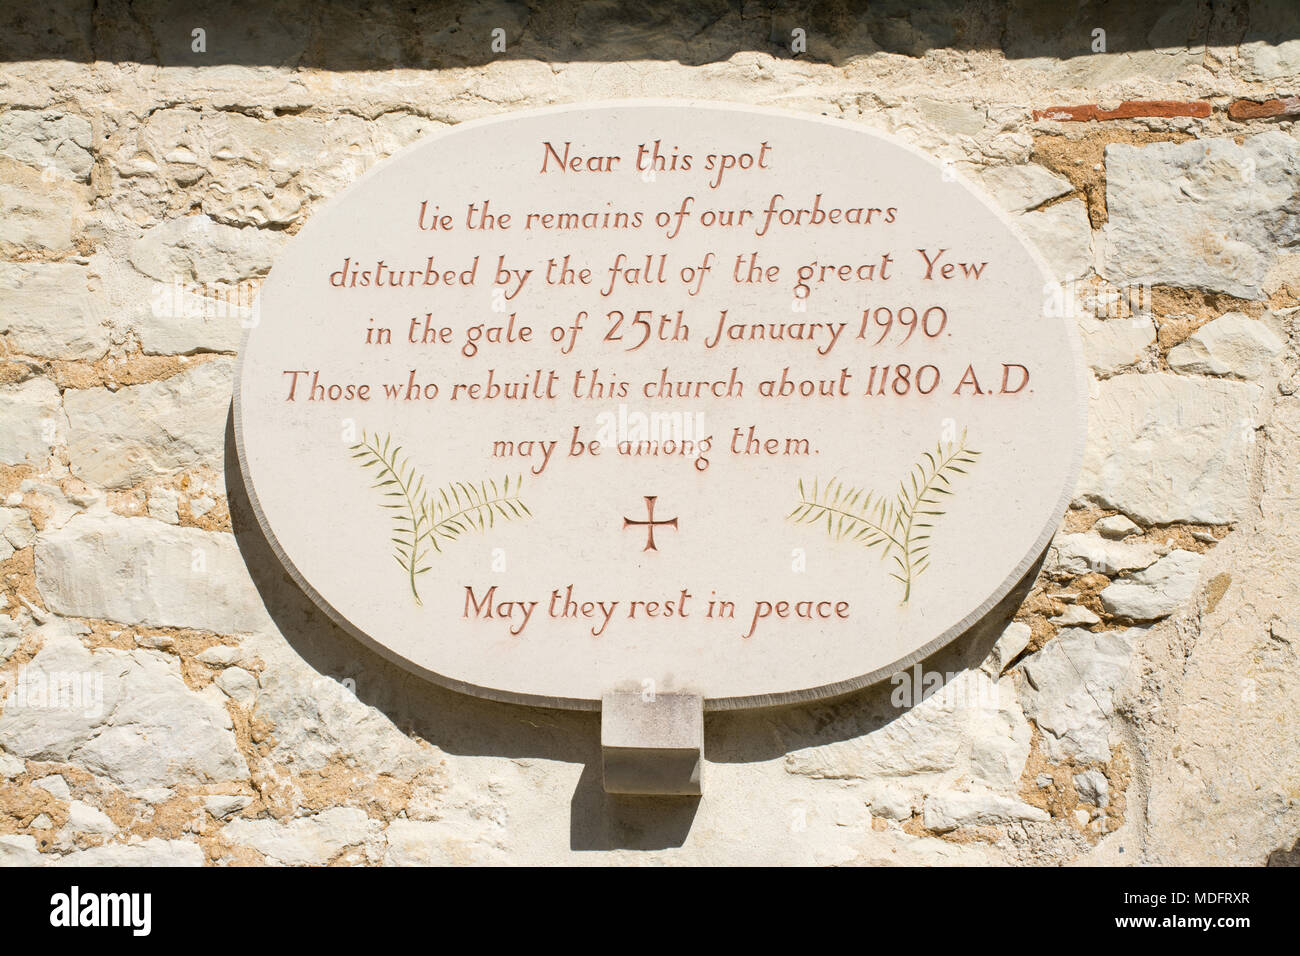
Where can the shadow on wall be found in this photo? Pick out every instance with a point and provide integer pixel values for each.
(358, 35)
(460, 724)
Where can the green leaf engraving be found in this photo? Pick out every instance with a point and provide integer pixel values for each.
(900, 525)
(426, 519)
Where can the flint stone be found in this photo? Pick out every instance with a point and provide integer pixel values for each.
(441, 843)
(142, 571)
(31, 421)
(1156, 591)
(1164, 448)
(951, 809)
(19, 851)
(116, 439)
(1063, 234)
(152, 852)
(1233, 344)
(36, 215)
(124, 715)
(224, 805)
(1076, 615)
(1068, 690)
(1075, 554)
(48, 310)
(315, 720)
(1115, 527)
(1018, 189)
(49, 139)
(1092, 787)
(1204, 214)
(972, 728)
(1014, 639)
(196, 249)
(1113, 344)
(83, 818)
(306, 841)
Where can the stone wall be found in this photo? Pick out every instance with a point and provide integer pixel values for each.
(169, 696)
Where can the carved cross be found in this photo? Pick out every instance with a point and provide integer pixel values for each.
(650, 523)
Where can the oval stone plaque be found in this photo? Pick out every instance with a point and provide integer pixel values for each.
(684, 396)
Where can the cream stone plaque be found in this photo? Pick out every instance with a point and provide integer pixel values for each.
(671, 397)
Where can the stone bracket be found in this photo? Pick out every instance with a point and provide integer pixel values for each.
(652, 744)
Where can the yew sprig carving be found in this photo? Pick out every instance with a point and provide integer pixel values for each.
(898, 524)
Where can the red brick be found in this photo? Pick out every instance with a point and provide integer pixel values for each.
(1131, 109)
(1252, 109)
